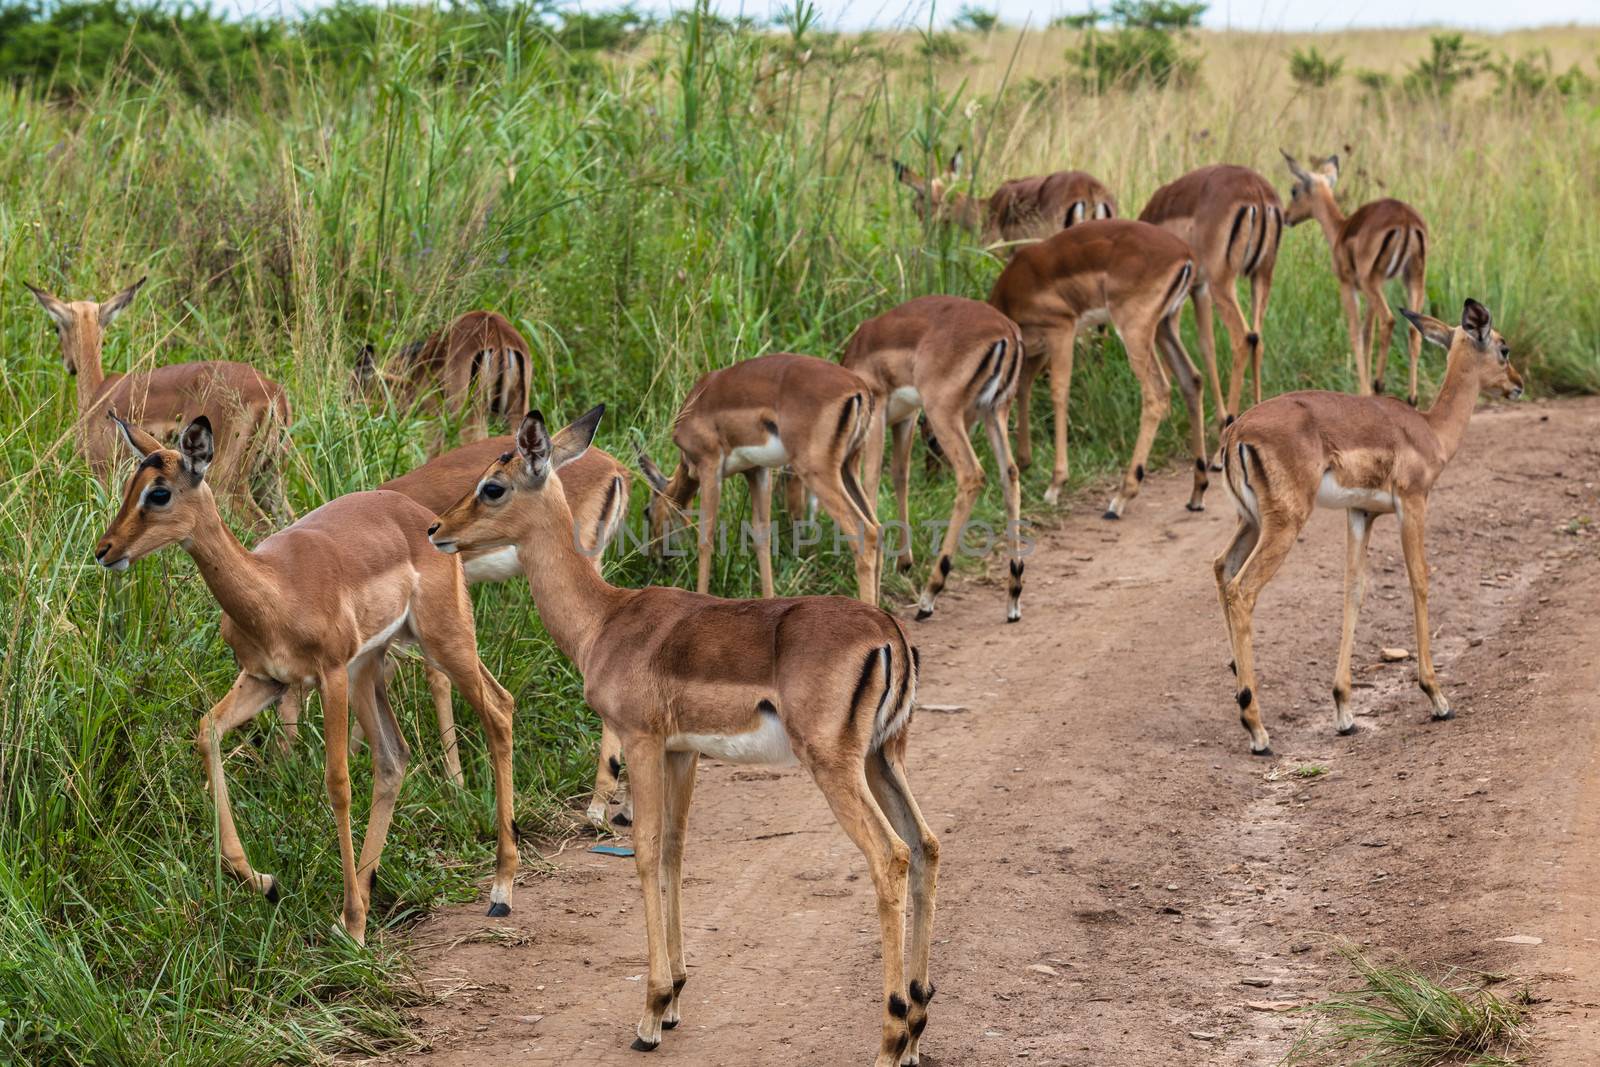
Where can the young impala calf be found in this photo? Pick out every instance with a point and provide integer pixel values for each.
(250, 412)
(959, 361)
(827, 681)
(1367, 455)
(318, 604)
(763, 413)
(479, 365)
(1231, 217)
(1381, 241)
(1019, 211)
(597, 489)
(1134, 275)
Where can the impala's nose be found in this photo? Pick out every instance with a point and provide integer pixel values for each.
(101, 550)
(433, 529)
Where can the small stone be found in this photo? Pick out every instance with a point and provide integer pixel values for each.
(1270, 1005)
(529, 1020)
(1259, 983)
(1521, 939)
(1045, 968)
(1202, 1035)
(1395, 655)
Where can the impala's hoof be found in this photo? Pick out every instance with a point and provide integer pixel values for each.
(1014, 616)
(1111, 515)
(924, 613)
(1446, 717)
(669, 1024)
(621, 818)
(272, 892)
(641, 1045)
(1264, 752)
(1346, 731)
(497, 910)
(1195, 507)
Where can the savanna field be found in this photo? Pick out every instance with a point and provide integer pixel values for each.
(645, 202)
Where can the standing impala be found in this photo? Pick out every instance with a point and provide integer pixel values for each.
(763, 413)
(1134, 275)
(597, 489)
(1381, 241)
(1231, 217)
(959, 361)
(1367, 455)
(249, 411)
(826, 681)
(1019, 211)
(319, 604)
(479, 365)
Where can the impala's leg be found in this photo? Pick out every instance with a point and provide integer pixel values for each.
(1260, 293)
(1154, 401)
(389, 758)
(607, 780)
(444, 628)
(760, 482)
(1239, 344)
(647, 773)
(969, 483)
(1378, 310)
(843, 507)
(1413, 516)
(887, 777)
(710, 477)
(680, 771)
(1357, 531)
(439, 689)
(794, 496)
(904, 432)
(1032, 364)
(1275, 539)
(290, 705)
(335, 686)
(1060, 344)
(872, 454)
(243, 702)
(1189, 385)
(889, 860)
(1225, 566)
(1201, 297)
(1352, 316)
(1417, 294)
(994, 423)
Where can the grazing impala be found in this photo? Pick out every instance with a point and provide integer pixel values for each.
(959, 361)
(826, 681)
(597, 489)
(479, 365)
(1381, 241)
(250, 412)
(1021, 210)
(1368, 455)
(763, 413)
(1231, 217)
(1134, 275)
(319, 604)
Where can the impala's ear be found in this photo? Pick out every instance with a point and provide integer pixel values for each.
(1431, 329)
(573, 441)
(117, 304)
(1329, 168)
(1299, 172)
(956, 159)
(197, 446)
(533, 445)
(366, 364)
(139, 443)
(54, 307)
(1475, 320)
(906, 176)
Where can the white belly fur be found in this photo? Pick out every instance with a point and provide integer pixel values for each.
(1097, 317)
(382, 637)
(902, 402)
(767, 744)
(1330, 494)
(497, 565)
(747, 457)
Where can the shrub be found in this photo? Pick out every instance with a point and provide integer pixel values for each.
(1310, 69)
(942, 46)
(977, 19)
(1450, 62)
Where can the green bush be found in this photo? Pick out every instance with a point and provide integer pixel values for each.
(1450, 62)
(1310, 69)
(1148, 45)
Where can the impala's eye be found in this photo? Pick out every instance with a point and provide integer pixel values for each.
(492, 491)
(1505, 353)
(158, 497)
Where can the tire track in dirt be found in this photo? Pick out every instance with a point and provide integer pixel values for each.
(1100, 815)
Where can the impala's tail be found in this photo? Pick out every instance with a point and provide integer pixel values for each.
(888, 683)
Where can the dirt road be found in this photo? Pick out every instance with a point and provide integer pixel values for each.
(1102, 818)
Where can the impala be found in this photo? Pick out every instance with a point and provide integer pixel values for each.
(1380, 242)
(1233, 221)
(1020, 211)
(760, 414)
(597, 489)
(825, 681)
(250, 413)
(958, 360)
(1367, 455)
(1135, 276)
(319, 604)
(478, 366)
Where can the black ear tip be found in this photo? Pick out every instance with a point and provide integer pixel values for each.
(536, 415)
(202, 422)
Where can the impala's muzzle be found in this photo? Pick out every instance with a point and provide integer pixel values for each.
(109, 556)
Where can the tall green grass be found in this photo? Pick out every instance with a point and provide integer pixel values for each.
(714, 196)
